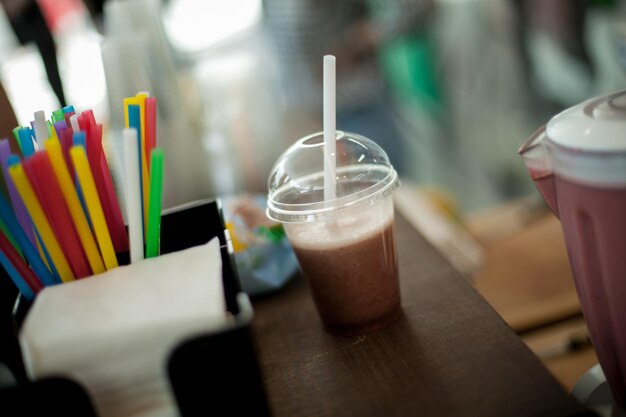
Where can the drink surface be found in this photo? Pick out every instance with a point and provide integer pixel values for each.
(355, 226)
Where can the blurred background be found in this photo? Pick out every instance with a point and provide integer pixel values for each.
(449, 88)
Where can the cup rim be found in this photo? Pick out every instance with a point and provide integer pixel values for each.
(332, 209)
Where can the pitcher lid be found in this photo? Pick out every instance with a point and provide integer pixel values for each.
(597, 125)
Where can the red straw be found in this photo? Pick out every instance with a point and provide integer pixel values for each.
(119, 234)
(67, 116)
(94, 147)
(67, 141)
(150, 127)
(51, 198)
(86, 126)
(103, 180)
(88, 114)
(18, 263)
(104, 185)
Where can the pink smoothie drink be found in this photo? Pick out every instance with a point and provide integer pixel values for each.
(593, 220)
(351, 267)
(594, 226)
(344, 244)
(545, 183)
(578, 163)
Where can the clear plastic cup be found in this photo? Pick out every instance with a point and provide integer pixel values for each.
(345, 246)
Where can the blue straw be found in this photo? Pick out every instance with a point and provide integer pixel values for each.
(16, 277)
(134, 122)
(55, 275)
(79, 140)
(26, 142)
(31, 253)
(68, 109)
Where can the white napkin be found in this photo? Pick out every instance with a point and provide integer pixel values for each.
(114, 332)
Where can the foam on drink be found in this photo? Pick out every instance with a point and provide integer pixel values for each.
(346, 230)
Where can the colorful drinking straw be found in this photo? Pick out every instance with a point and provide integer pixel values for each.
(103, 181)
(52, 133)
(57, 115)
(59, 127)
(9, 236)
(154, 213)
(67, 142)
(70, 195)
(41, 127)
(64, 229)
(41, 222)
(31, 253)
(88, 187)
(140, 100)
(134, 121)
(51, 199)
(15, 276)
(16, 135)
(26, 142)
(74, 123)
(150, 128)
(19, 265)
(67, 117)
(16, 200)
(120, 236)
(133, 195)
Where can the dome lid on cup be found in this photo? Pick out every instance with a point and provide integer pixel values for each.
(364, 175)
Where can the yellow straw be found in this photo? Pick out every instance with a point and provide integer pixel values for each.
(53, 132)
(41, 222)
(73, 203)
(42, 253)
(88, 187)
(140, 100)
(127, 102)
(145, 174)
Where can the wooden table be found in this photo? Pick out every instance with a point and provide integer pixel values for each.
(450, 354)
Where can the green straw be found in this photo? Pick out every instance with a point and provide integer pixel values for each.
(9, 236)
(58, 116)
(154, 206)
(16, 135)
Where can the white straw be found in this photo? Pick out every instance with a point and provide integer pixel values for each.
(74, 122)
(133, 194)
(41, 127)
(330, 162)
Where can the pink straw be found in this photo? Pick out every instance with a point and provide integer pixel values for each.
(150, 127)
(67, 141)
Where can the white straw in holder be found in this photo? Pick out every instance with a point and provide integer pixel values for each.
(329, 128)
(133, 201)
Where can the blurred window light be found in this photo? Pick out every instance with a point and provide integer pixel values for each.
(83, 73)
(196, 25)
(25, 81)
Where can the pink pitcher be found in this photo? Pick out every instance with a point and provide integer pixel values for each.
(578, 163)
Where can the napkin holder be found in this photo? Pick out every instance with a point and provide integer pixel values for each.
(209, 374)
